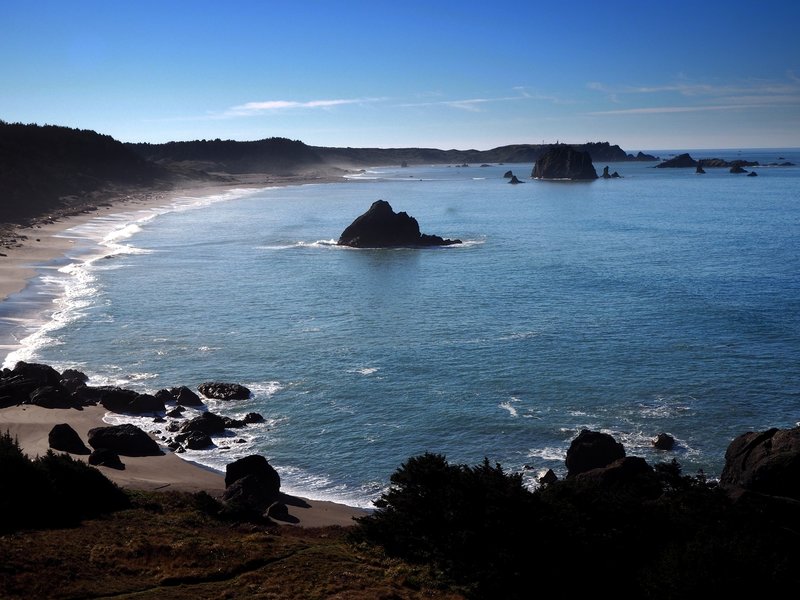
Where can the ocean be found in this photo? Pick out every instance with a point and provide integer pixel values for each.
(661, 301)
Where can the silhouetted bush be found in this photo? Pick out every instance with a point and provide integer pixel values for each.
(51, 491)
(489, 534)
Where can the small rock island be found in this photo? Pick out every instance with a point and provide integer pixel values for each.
(565, 163)
(381, 227)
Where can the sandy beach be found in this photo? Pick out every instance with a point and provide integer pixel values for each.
(23, 251)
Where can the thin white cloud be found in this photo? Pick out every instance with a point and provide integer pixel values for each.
(476, 104)
(747, 88)
(655, 110)
(249, 109)
(750, 94)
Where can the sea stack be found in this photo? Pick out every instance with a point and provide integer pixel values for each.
(565, 163)
(381, 227)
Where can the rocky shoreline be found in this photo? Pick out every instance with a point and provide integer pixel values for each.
(251, 485)
(766, 462)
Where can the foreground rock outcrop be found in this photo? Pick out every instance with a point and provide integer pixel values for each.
(766, 462)
(381, 227)
(563, 162)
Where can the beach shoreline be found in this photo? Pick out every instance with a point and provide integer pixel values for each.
(26, 250)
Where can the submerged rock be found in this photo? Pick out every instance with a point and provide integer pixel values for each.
(381, 227)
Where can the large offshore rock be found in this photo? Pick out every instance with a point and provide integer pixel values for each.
(381, 227)
(563, 162)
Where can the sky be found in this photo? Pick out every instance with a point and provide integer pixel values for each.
(438, 74)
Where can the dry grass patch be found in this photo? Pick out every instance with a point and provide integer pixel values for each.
(166, 547)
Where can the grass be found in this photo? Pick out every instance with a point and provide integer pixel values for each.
(166, 547)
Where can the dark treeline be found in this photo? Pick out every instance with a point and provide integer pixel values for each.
(518, 153)
(49, 169)
(279, 156)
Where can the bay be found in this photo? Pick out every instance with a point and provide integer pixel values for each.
(659, 301)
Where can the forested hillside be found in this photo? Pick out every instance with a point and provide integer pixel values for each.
(48, 168)
(278, 156)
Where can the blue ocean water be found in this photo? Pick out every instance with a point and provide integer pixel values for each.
(660, 301)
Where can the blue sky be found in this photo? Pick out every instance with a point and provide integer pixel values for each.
(448, 74)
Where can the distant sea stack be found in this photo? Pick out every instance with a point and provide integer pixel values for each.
(681, 161)
(381, 227)
(563, 162)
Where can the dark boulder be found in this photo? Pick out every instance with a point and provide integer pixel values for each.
(223, 391)
(592, 450)
(87, 394)
(253, 417)
(255, 466)
(175, 413)
(563, 162)
(208, 423)
(700, 170)
(146, 403)
(41, 374)
(15, 390)
(104, 457)
(679, 162)
(72, 379)
(165, 396)
(64, 438)
(231, 423)
(249, 496)
(664, 441)
(508, 175)
(752, 174)
(381, 227)
(767, 462)
(52, 396)
(514, 180)
(251, 485)
(194, 440)
(737, 169)
(120, 400)
(127, 440)
(74, 374)
(186, 397)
